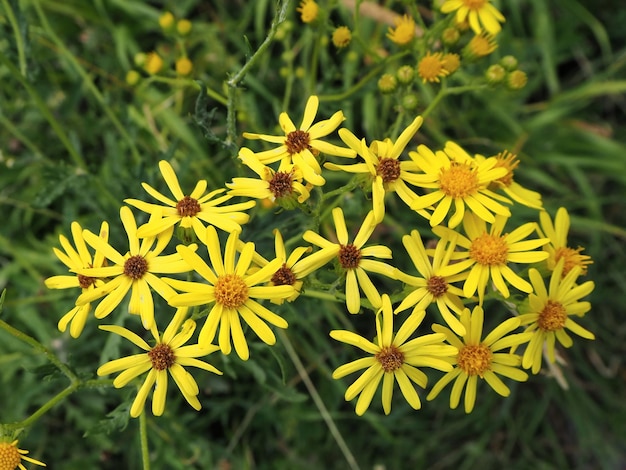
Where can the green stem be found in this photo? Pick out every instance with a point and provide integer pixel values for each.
(143, 436)
(319, 403)
(449, 91)
(19, 43)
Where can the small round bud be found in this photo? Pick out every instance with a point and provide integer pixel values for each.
(450, 36)
(283, 72)
(509, 62)
(133, 77)
(387, 83)
(183, 66)
(516, 80)
(451, 62)
(300, 72)
(183, 27)
(166, 21)
(140, 59)
(342, 37)
(405, 74)
(153, 64)
(410, 101)
(495, 74)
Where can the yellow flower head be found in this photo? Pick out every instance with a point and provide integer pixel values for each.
(11, 457)
(153, 63)
(480, 358)
(342, 37)
(404, 32)
(451, 62)
(309, 10)
(134, 271)
(302, 146)
(516, 80)
(457, 178)
(550, 312)
(232, 290)
(383, 166)
(481, 14)
(166, 20)
(558, 249)
(76, 259)
(479, 46)
(184, 66)
(431, 67)
(183, 27)
(392, 358)
(352, 258)
(190, 212)
(167, 355)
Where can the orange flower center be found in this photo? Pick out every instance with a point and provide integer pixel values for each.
(431, 67)
(349, 256)
(388, 169)
(474, 4)
(9, 456)
(390, 358)
(231, 291)
(281, 184)
(297, 141)
(489, 250)
(552, 317)
(573, 258)
(474, 359)
(458, 181)
(283, 277)
(162, 357)
(437, 286)
(188, 207)
(135, 267)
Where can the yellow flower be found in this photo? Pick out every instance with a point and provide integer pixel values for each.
(557, 247)
(342, 37)
(479, 46)
(432, 287)
(183, 27)
(431, 67)
(490, 252)
(550, 312)
(480, 358)
(189, 211)
(393, 358)
(134, 271)
(303, 145)
(516, 80)
(352, 259)
(308, 11)
(11, 457)
(153, 63)
(480, 13)
(166, 20)
(404, 32)
(383, 166)
(457, 178)
(184, 66)
(232, 291)
(451, 62)
(282, 186)
(167, 355)
(512, 189)
(76, 259)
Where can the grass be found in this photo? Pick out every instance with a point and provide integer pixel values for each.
(77, 139)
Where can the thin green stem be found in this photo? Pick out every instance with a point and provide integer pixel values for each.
(19, 42)
(449, 91)
(143, 437)
(319, 403)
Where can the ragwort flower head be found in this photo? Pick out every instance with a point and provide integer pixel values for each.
(457, 178)
(489, 253)
(76, 259)
(558, 249)
(478, 358)
(481, 14)
(432, 67)
(392, 358)
(352, 257)
(189, 211)
(11, 457)
(167, 355)
(134, 271)
(479, 46)
(404, 32)
(383, 166)
(309, 10)
(550, 313)
(302, 146)
(232, 290)
(342, 37)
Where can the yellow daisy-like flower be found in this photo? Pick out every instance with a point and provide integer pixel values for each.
(480, 358)
(342, 37)
(479, 46)
(393, 358)
(289, 273)
(382, 164)
(432, 287)
(457, 178)
(557, 248)
(11, 457)
(512, 189)
(352, 259)
(550, 312)
(490, 252)
(283, 186)
(404, 32)
(308, 10)
(167, 355)
(134, 271)
(189, 211)
(301, 146)
(431, 67)
(76, 259)
(451, 62)
(481, 14)
(233, 292)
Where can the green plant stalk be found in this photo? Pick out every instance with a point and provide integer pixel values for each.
(19, 43)
(443, 92)
(143, 437)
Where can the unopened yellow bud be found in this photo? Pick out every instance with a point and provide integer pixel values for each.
(183, 66)
(153, 63)
(166, 21)
(183, 27)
